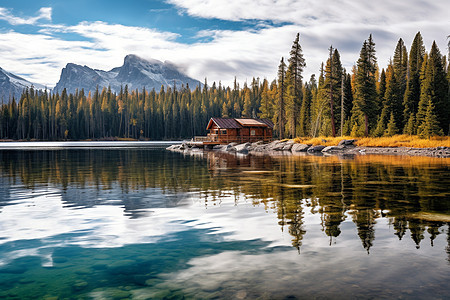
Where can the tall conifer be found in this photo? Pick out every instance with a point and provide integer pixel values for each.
(365, 96)
(412, 94)
(280, 107)
(294, 85)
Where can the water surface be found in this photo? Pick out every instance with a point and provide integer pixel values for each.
(151, 224)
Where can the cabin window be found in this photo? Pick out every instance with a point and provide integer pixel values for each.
(216, 131)
(223, 131)
(252, 132)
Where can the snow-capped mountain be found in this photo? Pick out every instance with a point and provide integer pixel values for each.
(135, 72)
(13, 85)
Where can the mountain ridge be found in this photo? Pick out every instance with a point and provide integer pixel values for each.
(135, 72)
(12, 85)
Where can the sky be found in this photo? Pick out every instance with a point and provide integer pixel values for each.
(213, 39)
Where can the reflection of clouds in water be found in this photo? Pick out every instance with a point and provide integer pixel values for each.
(45, 220)
(318, 272)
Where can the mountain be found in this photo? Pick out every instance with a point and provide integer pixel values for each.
(13, 85)
(135, 72)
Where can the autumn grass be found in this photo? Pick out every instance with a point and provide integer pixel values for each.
(321, 140)
(412, 141)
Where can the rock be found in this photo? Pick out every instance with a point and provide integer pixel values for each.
(243, 148)
(172, 147)
(272, 145)
(288, 145)
(258, 143)
(259, 148)
(279, 146)
(299, 147)
(218, 147)
(318, 148)
(243, 151)
(333, 149)
(346, 143)
(230, 148)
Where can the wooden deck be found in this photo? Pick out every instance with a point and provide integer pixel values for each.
(212, 140)
(226, 140)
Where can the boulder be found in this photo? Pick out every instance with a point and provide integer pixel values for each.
(288, 145)
(175, 147)
(230, 148)
(258, 143)
(271, 145)
(243, 151)
(243, 148)
(259, 148)
(314, 149)
(332, 149)
(279, 146)
(346, 143)
(299, 148)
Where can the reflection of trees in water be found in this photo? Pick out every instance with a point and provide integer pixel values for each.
(363, 188)
(448, 242)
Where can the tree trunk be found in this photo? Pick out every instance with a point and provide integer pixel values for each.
(366, 125)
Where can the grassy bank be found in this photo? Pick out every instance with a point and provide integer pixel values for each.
(394, 141)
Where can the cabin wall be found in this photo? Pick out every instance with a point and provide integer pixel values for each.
(238, 135)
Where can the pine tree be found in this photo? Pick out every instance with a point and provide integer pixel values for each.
(266, 102)
(430, 126)
(280, 108)
(391, 127)
(393, 97)
(434, 88)
(310, 89)
(400, 64)
(348, 103)
(318, 104)
(381, 123)
(382, 89)
(410, 127)
(332, 89)
(365, 96)
(412, 94)
(247, 103)
(294, 85)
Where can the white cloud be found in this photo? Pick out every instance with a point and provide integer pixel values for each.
(309, 12)
(44, 13)
(227, 53)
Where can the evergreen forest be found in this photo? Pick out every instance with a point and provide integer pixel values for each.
(411, 95)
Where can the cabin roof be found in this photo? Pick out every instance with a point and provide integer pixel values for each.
(230, 123)
(251, 123)
(267, 122)
(224, 123)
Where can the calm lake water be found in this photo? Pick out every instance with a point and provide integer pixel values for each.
(151, 224)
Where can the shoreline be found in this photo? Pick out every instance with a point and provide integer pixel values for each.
(345, 147)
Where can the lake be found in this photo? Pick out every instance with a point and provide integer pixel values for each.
(146, 223)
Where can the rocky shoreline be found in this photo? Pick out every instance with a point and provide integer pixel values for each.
(345, 147)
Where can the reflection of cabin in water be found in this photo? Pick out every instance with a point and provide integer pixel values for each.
(228, 130)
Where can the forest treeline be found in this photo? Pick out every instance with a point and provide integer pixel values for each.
(411, 95)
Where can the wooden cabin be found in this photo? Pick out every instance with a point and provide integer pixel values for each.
(228, 130)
